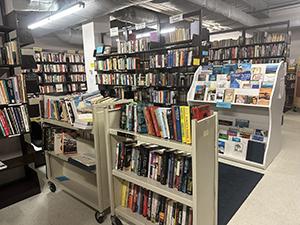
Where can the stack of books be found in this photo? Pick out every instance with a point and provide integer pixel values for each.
(9, 54)
(167, 166)
(13, 90)
(166, 122)
(156, 208)
(13, 121)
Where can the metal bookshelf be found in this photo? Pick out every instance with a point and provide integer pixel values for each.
(285, 26)
(205, 170)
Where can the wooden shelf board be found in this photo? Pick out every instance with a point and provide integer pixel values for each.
(155, 186)
(152, 139)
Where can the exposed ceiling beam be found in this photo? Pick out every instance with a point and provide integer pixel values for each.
(228, 11)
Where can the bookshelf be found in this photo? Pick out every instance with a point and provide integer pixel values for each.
(204, 166)
(290, 87)
(249, 116)
(178, 53)
(262, 47)
(60, 72)
(18, 180)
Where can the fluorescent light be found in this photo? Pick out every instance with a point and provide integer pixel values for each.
(167, 30)
(56, 16)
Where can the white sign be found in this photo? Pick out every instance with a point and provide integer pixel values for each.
(140, 26)
(114, 32)
(176, 18)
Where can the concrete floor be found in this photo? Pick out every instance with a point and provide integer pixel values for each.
(275, 200)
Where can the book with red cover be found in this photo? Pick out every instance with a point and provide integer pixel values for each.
(130, 196)
(145, 203)
(4, 124)
(154, 120)
(149, 122)
(200, 112)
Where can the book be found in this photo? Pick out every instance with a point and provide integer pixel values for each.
(229, 95)
(264, 96)
(200, 92)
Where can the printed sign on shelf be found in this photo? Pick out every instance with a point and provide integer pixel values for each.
(114, 32)
(176, 18)
(224, 105)
(140, 26)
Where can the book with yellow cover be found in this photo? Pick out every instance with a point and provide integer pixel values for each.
(187, 124)
(124, 192)
(182, 124)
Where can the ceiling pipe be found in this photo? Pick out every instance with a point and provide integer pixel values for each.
(228, 11)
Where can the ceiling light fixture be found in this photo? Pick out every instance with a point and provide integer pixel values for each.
(78, 6)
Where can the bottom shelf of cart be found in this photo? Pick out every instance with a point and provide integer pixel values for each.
(132, 218)
(79, 191)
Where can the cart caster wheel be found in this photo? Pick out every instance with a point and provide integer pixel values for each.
(115, 221)
(100, 217)
(52, 186)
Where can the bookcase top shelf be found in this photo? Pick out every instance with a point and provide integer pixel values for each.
(247, 45)
(151, 139)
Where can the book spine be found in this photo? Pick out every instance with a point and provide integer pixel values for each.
(4, 124)
(182, 124)
(12, 131)
(187, 123)
(25, 117)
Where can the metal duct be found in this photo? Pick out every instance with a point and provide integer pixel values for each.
(228, 11)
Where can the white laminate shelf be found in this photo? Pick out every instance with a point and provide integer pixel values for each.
(133, 218)
(155, 186)
(59, 123)
(153, 140)
(233, 104)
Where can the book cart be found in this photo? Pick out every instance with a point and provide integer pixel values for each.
(204, 171)
(90, 187)
(267, 117)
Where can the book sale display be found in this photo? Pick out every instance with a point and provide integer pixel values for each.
(159, 160)
(249, 99)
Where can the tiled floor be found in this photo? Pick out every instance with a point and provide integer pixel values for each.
(275, 201)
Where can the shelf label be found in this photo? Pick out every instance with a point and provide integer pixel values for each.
(176, 18)
(224, 105)
(114, 32)
(140, 26)
(37, 49)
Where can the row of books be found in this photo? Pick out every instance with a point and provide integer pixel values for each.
(77, 77)
(58, 57)
(53, 68)
(14, 120)
(137, 45)
(163, 96)
(9, 53)
(221, 54)
(128, 63)
(148, 79)
(166, 122)
(50, 89)
(263, 51)
(180, 34)
(75, 58)
(77, 87)
(156, 208)
(174, 58)
(227, 42)
(264, 37)
(77, 68)
(52, 78)
(166, 166)
(13, 90)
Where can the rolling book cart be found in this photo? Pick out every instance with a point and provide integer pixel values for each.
(204, 171)
(256, 151)
(89, 186)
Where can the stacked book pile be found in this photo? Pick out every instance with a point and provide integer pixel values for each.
(13, 90)
(156, 208)
(9, 54)
(13, 121)
(167, 166)
(166, 122)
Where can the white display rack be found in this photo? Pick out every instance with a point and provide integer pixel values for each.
(266, 117)
(90, 187)
(205, 170)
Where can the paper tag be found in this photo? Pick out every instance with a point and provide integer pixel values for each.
(140, 26)
(114, 31)
(196, 61)
(176, 18)
(37, 49)
(224, 105)
(71, 51)
(92, 65)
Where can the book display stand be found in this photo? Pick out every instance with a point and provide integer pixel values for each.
(203, 200)
(249, 99)
(86, 183)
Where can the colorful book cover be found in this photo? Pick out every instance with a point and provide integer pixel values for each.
(178, 124)
(241, 99)
(182, 124)
(264, 96)
(229, 95)
(200, 92)
(161, 123)
(187, 122)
